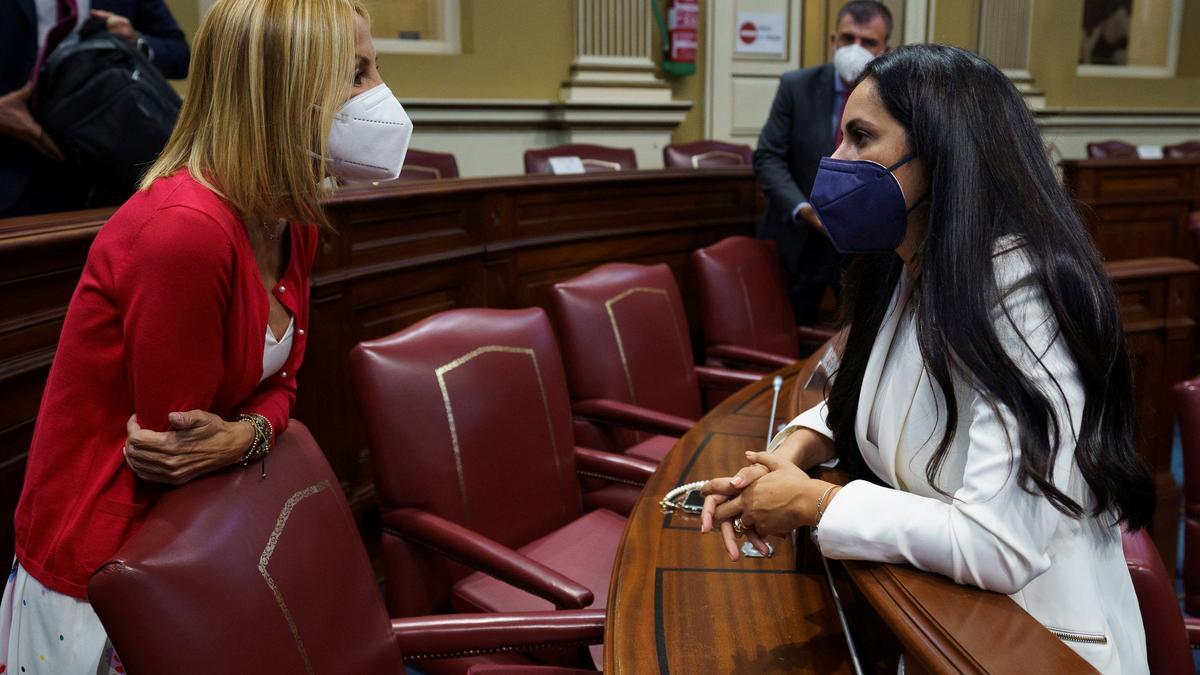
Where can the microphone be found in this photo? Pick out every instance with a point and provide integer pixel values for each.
(776, 384)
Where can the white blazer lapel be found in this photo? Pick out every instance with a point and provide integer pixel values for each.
(884, 467)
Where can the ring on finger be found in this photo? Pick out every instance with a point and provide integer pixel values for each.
(738, 526)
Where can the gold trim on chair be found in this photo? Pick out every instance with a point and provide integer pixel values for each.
(612, 318)
(696, 159)
(441, 371)
(749, 309)
(265, 558)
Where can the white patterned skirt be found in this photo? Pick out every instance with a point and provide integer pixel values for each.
(43, 631)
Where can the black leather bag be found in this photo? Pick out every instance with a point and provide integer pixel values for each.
(107, 107)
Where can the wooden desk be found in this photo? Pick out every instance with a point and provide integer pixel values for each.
(677, 604)
(1137, 208)
(401, 253)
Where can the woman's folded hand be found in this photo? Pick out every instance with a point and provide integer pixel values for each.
(197, 443)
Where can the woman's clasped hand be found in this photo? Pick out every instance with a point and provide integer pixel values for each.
(197, 443)
(770, 496)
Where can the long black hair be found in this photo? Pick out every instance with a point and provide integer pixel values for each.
(989, 176)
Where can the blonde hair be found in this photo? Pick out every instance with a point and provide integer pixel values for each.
(267, 78)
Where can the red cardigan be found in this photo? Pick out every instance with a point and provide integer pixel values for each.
(169, 315)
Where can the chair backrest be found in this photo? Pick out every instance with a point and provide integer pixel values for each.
(1184, 149)
(595, 158)
(743, 296)
(706, 155)
(468, 417)
(235, 573)
(1111, 150)
(625, 337)
(1167, 646)
(424, 165)
(1187, 407)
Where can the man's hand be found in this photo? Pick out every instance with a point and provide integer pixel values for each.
(17, 122)
(117, 24)
(808, 215)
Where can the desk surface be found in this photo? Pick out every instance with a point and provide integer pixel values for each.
(678, 605)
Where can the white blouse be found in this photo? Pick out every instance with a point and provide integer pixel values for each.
(275, 352)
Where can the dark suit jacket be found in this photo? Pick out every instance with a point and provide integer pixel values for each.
(797, 135)
(18, 34)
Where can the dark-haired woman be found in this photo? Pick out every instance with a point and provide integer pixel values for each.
(984, 388)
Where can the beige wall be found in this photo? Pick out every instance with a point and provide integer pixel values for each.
(522, 49)
(955, 22)
(1054, 52)
(511, 49)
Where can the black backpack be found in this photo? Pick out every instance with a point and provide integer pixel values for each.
(106, 106)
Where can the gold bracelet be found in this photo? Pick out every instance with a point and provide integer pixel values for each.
(820, 500)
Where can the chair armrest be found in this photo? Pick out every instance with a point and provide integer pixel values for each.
(487, 556)
(811, 335)
(612, 466)
(724, 377)
(457, 635)
(629, 416)
(1193, 630)
(748, 355)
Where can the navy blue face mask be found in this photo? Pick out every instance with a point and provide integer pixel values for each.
(860, 204)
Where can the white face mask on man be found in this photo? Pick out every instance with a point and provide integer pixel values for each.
(369, 137)
(849, 61)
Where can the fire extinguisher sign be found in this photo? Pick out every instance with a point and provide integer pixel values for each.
(682, 23)
(761, 33)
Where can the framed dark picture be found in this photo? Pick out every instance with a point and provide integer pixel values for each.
(1129, 38)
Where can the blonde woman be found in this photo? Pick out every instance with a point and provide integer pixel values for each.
(192, 311)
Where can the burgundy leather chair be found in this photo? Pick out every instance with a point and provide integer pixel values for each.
(706, 155)
(1170, 637)
(595, 158)
(468, 423)
(1111, 150)
(1184, 149)
(423, 165)
(629, 359)
(1187, 407)
(748, 318)
(235, 573)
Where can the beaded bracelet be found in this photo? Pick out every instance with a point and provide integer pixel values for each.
(263, 433)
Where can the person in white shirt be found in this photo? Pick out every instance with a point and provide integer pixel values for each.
(983, 394)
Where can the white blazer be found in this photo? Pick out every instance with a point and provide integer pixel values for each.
(1068, 574)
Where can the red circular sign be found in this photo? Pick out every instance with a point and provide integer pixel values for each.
(748, 32)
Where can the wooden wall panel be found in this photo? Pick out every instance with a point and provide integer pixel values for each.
(1137, 208)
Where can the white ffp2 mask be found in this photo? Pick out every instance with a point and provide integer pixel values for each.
(369, 137)
(849, 61)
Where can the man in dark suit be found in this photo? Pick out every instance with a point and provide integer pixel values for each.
(31, 172)
(802, 128)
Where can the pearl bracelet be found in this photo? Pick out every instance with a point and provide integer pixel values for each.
(668, 501)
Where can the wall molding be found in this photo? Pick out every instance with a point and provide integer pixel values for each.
(1069, 130)
(489, 137)
(547, 114)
